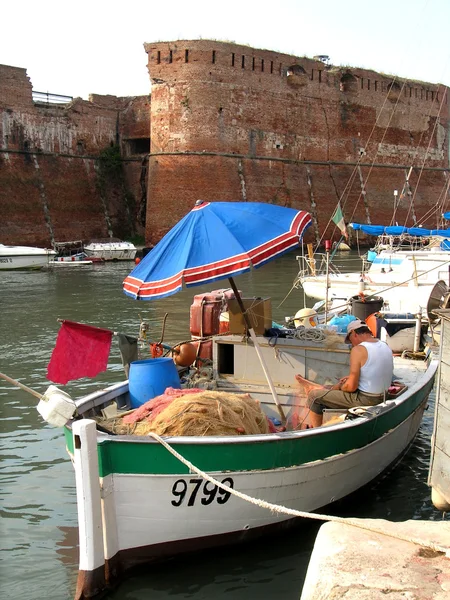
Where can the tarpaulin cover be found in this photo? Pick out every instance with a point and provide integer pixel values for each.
(398, 230)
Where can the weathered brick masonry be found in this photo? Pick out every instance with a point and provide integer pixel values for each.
(227, 122)
(53, 185)
(233, 123)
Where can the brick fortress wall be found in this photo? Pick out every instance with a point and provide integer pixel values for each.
(233, 123)
(60, 179)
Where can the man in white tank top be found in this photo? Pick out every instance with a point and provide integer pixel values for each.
(371, 370)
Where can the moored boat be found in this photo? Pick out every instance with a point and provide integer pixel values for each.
(72, 254)
(138, 502)
(24, 257)
(403, 268)
(111, 250)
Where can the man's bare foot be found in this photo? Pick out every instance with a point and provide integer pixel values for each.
(307, 385)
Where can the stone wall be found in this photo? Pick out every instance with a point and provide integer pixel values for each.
(61, 173)
(227, 122)
(234, 123)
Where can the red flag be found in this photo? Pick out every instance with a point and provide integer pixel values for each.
(80, 351)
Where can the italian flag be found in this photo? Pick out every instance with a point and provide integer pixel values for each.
(338, 219)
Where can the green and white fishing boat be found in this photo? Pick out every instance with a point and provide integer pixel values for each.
(138, 502)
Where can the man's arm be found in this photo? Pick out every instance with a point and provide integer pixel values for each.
(358, 357)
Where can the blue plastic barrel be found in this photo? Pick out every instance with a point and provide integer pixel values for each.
(150, 378)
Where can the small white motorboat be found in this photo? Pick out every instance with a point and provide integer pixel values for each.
(111, 250)
(75, 260)
(24, 257)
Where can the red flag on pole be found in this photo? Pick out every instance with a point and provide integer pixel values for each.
(80, 351)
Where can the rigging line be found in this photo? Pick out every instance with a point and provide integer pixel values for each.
(351, 180)
(290, 511)
(438, 209)
(352, 177)
(423, 132)
(444, 96)
(381, 141)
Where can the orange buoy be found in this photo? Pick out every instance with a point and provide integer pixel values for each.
(185, 354)
(137, 260)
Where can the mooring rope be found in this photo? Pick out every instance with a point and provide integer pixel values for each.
(290, 511)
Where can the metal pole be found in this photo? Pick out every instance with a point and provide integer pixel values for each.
(258, 350)
(327, 277)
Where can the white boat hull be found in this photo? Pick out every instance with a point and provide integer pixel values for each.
(138, 503)
(24, 257)
(407, 298)
(145, 517)
(403, 278)
(112, 251)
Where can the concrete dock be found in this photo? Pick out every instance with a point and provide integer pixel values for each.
(357, 564)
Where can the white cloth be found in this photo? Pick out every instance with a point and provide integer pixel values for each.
(376, 374)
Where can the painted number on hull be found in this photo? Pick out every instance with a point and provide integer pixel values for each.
(205, 494)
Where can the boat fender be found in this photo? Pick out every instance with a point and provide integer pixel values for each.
(305, 317)
(439, 501)
(185, 354)
(56, 407)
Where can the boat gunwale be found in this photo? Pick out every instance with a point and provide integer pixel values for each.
(387, 406)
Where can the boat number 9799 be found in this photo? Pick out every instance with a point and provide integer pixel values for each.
(205, 493)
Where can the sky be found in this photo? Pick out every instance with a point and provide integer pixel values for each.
(97, 46)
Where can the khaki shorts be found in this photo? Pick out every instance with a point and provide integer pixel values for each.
(320, 399)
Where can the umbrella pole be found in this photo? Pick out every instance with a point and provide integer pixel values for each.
(258, 349)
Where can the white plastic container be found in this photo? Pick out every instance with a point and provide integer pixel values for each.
(56, 407)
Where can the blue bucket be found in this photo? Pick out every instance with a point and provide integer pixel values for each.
(150, 378)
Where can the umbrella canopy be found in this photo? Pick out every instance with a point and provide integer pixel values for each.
(213, 241)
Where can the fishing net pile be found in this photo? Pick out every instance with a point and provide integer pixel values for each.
(193, 412)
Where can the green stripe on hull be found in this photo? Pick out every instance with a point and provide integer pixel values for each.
(152, 458)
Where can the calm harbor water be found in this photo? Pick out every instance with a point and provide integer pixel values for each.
(37, 489)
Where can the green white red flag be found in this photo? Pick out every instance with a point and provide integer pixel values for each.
(338, 219)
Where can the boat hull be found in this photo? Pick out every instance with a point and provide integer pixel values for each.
(404, 279)
(24, 257)
(112, 251)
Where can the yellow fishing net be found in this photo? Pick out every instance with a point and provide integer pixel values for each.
(206, 413)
